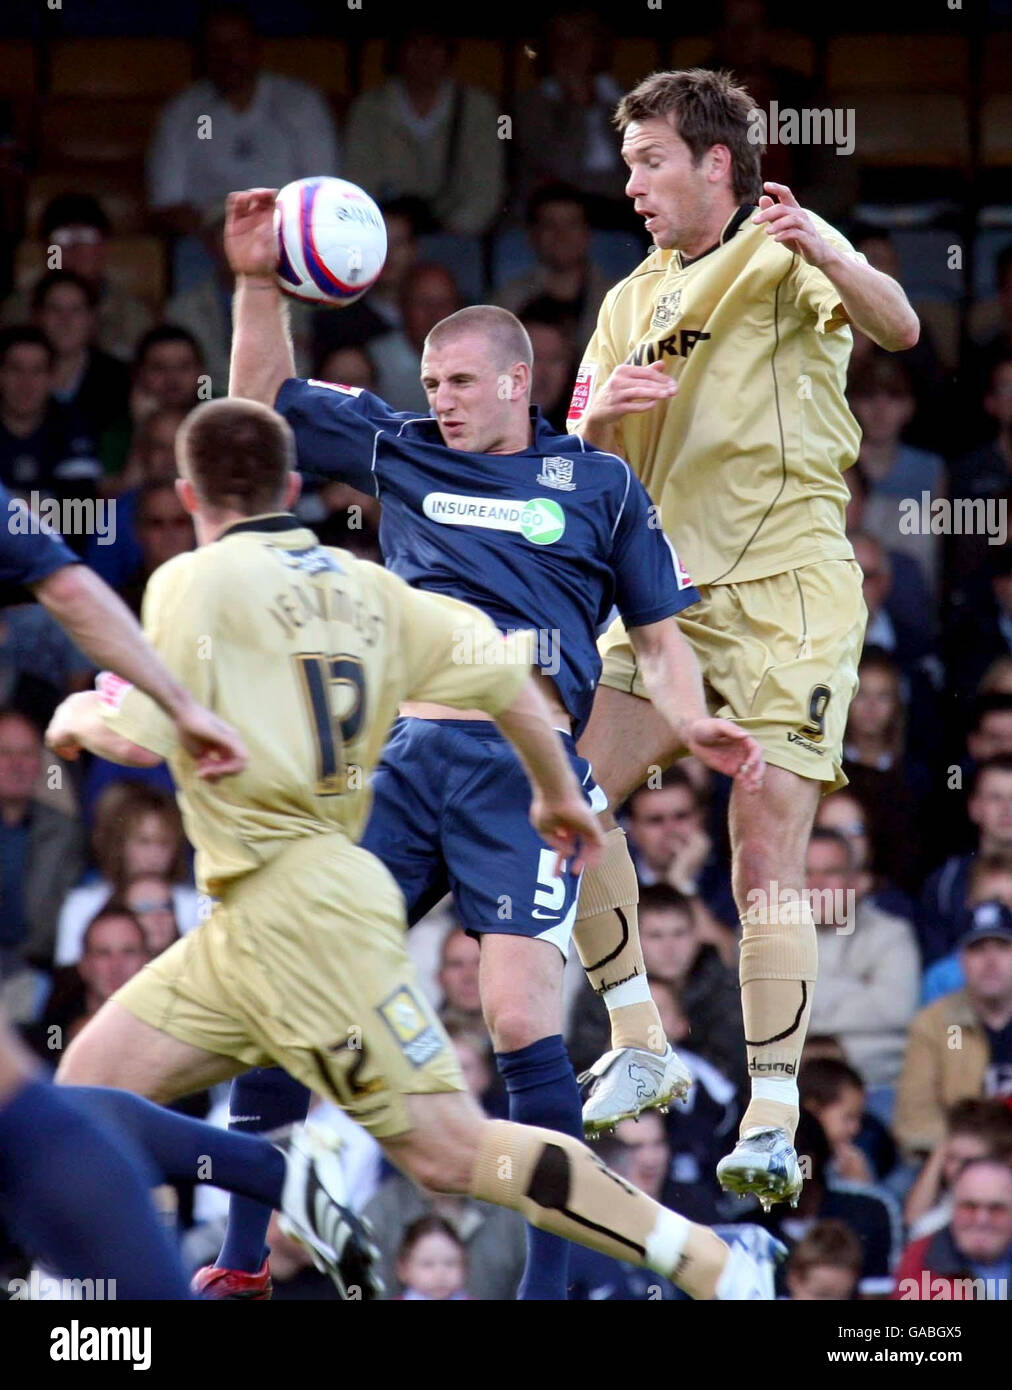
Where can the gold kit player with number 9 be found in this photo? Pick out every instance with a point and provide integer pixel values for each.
(718, 369)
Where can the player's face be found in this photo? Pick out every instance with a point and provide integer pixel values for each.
(472, 397)
(671, 193)
(434, 1268)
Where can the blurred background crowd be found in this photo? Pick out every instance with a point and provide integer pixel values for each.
(498, 172)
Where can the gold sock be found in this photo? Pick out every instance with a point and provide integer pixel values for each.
(777, 969)
(558, 1185)
(608, 942)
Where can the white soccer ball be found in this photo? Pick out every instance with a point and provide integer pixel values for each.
(332, 240)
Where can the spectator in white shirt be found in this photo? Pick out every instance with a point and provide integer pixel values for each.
(237, 127)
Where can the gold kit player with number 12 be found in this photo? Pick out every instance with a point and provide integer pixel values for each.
(718, 370)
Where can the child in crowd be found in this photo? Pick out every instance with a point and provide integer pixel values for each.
(432, 1263)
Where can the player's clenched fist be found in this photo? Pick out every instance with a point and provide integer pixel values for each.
(251, 243)
(630, 390)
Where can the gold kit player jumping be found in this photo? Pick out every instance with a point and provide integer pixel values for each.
(718, 370)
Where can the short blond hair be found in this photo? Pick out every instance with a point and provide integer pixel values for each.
(505, 334)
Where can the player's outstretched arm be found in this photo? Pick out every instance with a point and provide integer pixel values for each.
(559, 812)
(675, 686)
(104, 628)
(262, 356)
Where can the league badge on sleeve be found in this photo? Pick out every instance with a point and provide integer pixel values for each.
(582, 390)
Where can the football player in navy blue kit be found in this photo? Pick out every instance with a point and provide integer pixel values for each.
(484, 502)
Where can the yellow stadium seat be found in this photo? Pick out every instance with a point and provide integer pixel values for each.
(323, 63)
(121, 195)
(136, 264)
(895, 62)
(78, 130)
(912, 128)
(120, 67)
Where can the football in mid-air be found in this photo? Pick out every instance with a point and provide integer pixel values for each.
(332, 240)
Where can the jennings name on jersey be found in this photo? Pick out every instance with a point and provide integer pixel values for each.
(745, 461)
(552, 538)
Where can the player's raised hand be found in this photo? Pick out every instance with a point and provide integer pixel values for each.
(214, 745)
(787, 221)
(629, 391)
(727, 748)
(251, 243)
(571, 828)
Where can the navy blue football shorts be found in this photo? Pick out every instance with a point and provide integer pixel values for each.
(450, 814)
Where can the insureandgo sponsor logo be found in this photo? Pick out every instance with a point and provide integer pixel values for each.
(540, 520)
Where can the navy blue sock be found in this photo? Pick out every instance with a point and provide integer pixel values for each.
(75, 1193)
(185, 1150)
(262, 1100)
(543, 1091)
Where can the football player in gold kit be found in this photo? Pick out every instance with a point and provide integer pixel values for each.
(718, 370)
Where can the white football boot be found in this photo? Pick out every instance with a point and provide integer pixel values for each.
(628, 1080)
(749, 1272)
(763, 1162)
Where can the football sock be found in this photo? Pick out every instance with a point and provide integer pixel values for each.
(608, 942)
(559, 1185)
(777, 969)
(185, 1150)
(543, 1091)
(261, 1100)
(76, 1194)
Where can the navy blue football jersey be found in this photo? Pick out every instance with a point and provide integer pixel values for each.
(553, 538)
(28, 553)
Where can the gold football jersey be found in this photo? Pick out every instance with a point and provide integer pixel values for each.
(307, 652)
(745, 461)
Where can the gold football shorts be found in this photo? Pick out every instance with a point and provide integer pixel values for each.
(302, 964)
(778, 655)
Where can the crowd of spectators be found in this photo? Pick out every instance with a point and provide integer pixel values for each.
(907, 1077)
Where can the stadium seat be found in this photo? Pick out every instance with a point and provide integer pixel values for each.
(997, 63)
(19, 71)
(321, 62)
(136, 263)
(924, 264)
(987, 245)
(79, 130)
(996, 131)
(119, 67)
(478, 63)
(907, 128)
(898, 62)
(785, 48)
(634, 59)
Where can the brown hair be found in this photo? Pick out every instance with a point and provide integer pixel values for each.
(880, 372)
(705, 109)
(827, 1243)
(115, 907)
(117, 811)
(877, 659)
(981, 867)
(429, 1226)
(236, 453)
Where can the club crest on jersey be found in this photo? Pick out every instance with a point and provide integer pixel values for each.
(666, 309)
(557, 472)
(411, 1025)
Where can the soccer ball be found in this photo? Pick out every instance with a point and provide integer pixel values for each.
(332, 240)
